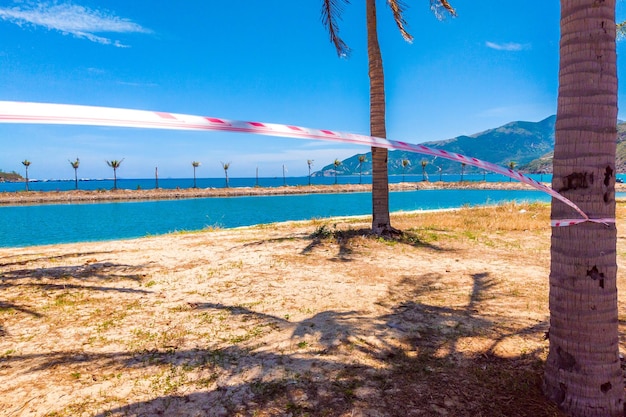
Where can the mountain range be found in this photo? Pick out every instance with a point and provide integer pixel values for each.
(529, 146)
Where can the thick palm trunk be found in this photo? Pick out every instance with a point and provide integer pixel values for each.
(381, 224)
(582, 371)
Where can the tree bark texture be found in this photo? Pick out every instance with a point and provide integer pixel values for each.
(381, 223)
(582, 373)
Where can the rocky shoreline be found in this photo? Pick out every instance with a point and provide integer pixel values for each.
(77, 196)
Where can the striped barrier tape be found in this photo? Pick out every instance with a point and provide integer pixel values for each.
(572, 222)
(47, 113)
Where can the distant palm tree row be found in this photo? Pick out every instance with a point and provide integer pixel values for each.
(225, 166)
(115, 164)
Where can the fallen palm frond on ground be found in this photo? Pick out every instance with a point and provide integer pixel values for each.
(311, 318)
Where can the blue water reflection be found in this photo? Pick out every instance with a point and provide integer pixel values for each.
(59, 223)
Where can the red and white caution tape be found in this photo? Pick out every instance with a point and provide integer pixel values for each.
(46, 113)
(572, 222)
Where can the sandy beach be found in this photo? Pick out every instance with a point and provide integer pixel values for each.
(313, 318)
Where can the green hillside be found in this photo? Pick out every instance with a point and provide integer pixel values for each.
(620, 154)
(529, 144)
(544, 163)
(10, 176)
(541, 164)
(521, 142)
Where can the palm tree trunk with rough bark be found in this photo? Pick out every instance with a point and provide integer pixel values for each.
(381, 223)
(582, 373)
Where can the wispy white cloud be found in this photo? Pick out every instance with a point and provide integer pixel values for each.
(95, 71)
(136, 84)
(71, 19)
(509, 46)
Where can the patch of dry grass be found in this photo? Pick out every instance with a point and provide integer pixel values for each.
(304, 319)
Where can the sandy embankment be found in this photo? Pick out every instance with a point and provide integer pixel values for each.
(314, 317)
(39, 197)
(304, 318)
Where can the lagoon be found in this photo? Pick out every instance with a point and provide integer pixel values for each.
(65, 223)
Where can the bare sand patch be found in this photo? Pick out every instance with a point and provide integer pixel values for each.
(310, 318)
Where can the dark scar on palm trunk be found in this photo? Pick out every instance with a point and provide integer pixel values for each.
(576, 180)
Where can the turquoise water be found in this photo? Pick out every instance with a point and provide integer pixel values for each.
(64, 223)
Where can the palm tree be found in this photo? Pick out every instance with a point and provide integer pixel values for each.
(362, 159)
(309, 162)
(405, 163)
(331, 11)
(226, 165)
(582, 371)
(194, 164)
(26, 164)
(424, 163)
(115, 164)
(75, 165)
(511, 167)
(336, 163)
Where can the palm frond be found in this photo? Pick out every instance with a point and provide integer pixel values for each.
(331, 14)
(398, 7)
(621, 30)
(440, 7)
(115, 163)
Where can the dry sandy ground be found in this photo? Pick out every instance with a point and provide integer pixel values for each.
(296, 319)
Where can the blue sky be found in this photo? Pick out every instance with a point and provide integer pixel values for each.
(269, 61)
